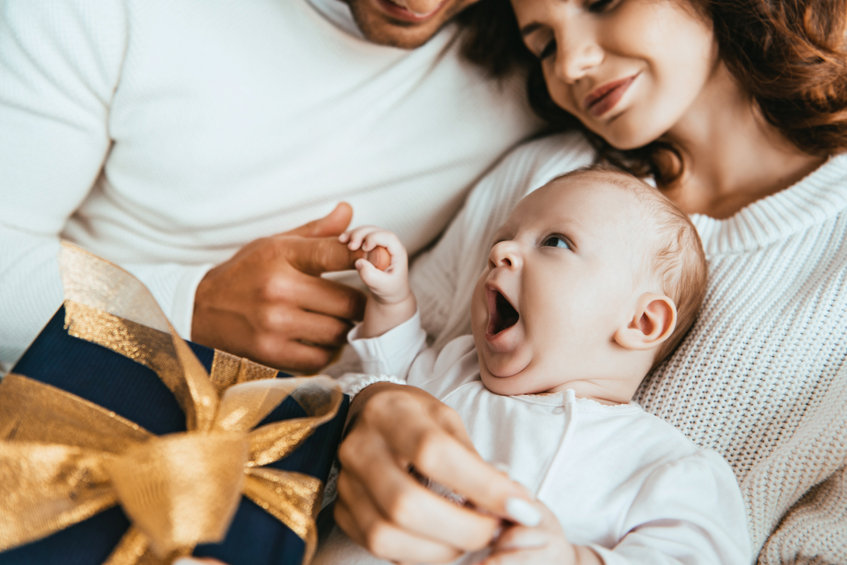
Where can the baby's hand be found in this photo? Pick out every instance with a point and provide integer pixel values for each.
(388, 284)
(542, 544)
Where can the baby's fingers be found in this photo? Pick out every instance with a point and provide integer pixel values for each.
(355, 238)
(523, 546)
(544, 543)
(374, 278)
(385, 239)
(518, 538)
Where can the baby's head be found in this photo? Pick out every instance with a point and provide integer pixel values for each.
(592, 280)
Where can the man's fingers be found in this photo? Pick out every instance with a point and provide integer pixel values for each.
(329, 297)
(317, 255)
(285, 323)
(333, 224)
(379, 257)
(292, 356)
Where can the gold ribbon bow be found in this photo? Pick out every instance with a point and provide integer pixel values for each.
(64, 459)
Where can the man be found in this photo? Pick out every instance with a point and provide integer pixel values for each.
(194, 143)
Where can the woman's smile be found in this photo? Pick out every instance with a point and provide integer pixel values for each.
(605, 97)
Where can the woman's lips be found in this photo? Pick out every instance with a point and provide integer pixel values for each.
(605, 97)
(401, 12)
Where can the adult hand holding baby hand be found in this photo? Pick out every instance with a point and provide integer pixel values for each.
(385, 266)
(541, 544)
(384, 508)
(269, 302)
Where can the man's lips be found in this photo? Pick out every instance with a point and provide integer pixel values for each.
(402, 12)
(605, 97)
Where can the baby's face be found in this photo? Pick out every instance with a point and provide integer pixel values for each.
(562, 276)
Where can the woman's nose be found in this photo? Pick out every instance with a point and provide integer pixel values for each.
(505, 254)
(577, 50)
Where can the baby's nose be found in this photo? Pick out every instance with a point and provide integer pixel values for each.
(505, 254)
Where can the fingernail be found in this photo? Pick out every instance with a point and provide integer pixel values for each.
(522, 512)
(185, 561)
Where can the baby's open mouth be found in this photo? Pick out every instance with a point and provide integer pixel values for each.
(502, 315)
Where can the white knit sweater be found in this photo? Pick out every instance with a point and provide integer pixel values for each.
(761, 377)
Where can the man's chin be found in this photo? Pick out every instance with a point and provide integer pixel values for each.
(401, 37)
(379, 28)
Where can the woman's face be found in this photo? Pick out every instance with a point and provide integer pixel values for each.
(630, 70)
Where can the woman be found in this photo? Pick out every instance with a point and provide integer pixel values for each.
(738, 111)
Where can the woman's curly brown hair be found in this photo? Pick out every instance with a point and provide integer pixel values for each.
(789, 55)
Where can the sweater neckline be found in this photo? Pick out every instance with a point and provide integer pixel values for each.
(816, 198)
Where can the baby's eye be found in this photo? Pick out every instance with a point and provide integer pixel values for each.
(555, 240)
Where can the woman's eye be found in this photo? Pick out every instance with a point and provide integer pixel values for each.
(548, 49)
(556, 241)
(599, 5)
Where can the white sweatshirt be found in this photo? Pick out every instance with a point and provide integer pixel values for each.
(165, 134)
(621, 481)
(762, 375)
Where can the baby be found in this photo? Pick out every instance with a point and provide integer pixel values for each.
(592, 280)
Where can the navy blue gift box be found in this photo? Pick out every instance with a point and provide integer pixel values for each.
(135, 392)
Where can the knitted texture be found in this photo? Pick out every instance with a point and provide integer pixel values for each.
(762, 375)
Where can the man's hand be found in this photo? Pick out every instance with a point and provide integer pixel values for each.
(269, 302)
(387, 510)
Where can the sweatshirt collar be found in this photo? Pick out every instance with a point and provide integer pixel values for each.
(338, 13)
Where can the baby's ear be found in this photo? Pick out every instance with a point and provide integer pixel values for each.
(652, 323)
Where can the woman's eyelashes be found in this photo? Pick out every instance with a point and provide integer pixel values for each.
(540, 42)
(599, 5)
(548, 49)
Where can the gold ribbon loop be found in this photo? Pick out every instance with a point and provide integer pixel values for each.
(47, 487)
(287, 496)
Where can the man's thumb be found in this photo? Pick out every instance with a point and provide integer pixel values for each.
(332, 224)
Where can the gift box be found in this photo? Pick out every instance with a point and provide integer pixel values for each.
(122, 443)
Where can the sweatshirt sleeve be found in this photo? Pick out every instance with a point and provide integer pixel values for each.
(690, 511)
(393, 352)
(59, 65)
